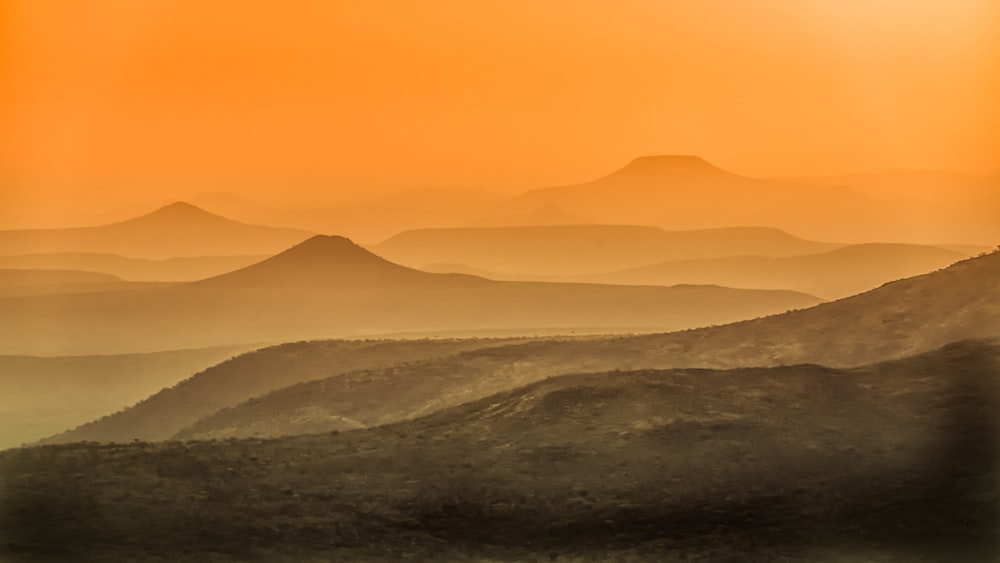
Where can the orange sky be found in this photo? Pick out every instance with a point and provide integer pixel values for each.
(263, 98)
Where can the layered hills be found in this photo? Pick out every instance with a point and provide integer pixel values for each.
(584, 249)
(329, 287)
(687, 192)
(893, 461)
(898, 319)
(839, 273)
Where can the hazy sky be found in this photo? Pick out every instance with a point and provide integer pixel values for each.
(183, 96)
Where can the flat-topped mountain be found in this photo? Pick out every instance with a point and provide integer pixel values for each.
(178, 229)
(670, 168)
(681, 192)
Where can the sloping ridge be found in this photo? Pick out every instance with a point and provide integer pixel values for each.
(326, 260)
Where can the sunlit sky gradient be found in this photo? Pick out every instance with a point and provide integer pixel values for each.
(111, 98)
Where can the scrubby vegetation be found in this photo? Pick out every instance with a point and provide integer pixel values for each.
(894, 462)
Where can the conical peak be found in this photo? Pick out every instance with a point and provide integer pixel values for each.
(670, 164)
(327, 246)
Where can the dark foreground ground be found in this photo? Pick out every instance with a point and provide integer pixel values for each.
(894, 462)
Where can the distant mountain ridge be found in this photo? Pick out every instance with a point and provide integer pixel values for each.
(176, 230)
(584, 249)
(329, 287)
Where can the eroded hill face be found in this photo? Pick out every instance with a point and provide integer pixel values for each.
(894, 461)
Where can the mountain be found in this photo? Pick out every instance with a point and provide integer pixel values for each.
(583, 249)
(326, 263)
(329, 287)
(681, 192)
(894, 461)
(838, 273)
(43, 396)
(898, 319)
(132, 269)
(176, 230)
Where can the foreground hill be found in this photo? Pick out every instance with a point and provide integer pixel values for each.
(42, 396)
(901, 318)
(179, 229)
(133, 269)
(583, 249)
(330, 287)
(890, 462)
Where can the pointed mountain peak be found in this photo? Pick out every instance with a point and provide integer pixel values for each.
(326, 247)
(666, 167)
(321, 260)
(179, 212)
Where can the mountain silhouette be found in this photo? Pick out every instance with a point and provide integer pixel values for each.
(683, 192)
(670, 168)
(329, 287)
(176, 230)
(325, 261)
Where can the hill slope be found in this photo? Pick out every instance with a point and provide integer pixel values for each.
(179, 229)
(901, 318)
(42, 396)
(891, 462)
(161, 415)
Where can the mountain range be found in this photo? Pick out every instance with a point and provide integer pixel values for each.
(896, 320)
(328, 287)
